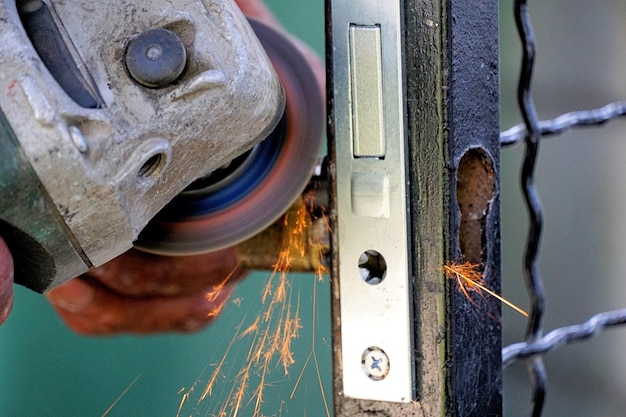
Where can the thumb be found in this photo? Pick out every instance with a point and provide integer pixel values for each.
(6, 282)
(256, 9)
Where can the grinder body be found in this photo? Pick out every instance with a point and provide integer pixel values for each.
(86, 163)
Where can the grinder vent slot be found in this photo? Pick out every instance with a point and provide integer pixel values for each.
(45, 33)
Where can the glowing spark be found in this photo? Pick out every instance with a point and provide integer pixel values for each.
(208, 390)
(183, 400)
(469, 278)
(117, 400)
(252, 328)
(290, 332)
(271, 333)
(313, 353)
(217, 289)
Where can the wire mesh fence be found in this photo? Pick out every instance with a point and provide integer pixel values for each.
(531, 133)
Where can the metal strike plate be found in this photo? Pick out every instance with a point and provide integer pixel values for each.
(375, 277)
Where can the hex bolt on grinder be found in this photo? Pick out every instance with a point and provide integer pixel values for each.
(168, 114)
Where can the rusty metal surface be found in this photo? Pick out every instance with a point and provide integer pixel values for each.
(299, 235)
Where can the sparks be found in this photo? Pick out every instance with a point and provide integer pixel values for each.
(117, 400)
(313, 352)
(469, 278)
(268, 337)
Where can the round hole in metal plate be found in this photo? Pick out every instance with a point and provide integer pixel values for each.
(372, 267)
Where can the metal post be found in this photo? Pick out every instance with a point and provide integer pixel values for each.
(449, 86)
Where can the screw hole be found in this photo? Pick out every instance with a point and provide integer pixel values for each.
(152, 167)
(372, 267)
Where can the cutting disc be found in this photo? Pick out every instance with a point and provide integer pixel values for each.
(255, 189)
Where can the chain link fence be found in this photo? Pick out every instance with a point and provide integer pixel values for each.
(530, 135)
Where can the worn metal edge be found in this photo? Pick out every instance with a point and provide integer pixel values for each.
(424, 29)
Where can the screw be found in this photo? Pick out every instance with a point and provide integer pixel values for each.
(156, 58)
(375, 363)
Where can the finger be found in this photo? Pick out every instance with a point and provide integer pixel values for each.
(256, 9)
(141, 274)
(315, 62)
(95, 310)
(6, 282)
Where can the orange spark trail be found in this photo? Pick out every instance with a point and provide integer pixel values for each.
(469, 278)
(269, 336)
(313, 353)
(117, 400)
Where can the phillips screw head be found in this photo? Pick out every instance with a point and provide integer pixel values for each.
(375, 363)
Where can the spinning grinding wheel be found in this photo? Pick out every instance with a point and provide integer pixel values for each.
(242, 198)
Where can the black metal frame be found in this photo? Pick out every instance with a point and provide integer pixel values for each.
(531, 132)
(451, 66)
(451, 50)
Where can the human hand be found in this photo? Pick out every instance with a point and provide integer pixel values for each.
(256, 9)
(142, 293)
(139, 292)
(6, 282)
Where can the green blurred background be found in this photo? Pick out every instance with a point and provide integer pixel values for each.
(46, 370)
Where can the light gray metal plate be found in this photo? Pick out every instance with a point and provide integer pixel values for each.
(372, 210)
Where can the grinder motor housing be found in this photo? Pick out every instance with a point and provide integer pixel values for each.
(95, 138)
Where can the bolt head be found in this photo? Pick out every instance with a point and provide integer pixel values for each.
(156, 58)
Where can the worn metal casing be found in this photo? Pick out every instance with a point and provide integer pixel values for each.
(103, 173)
